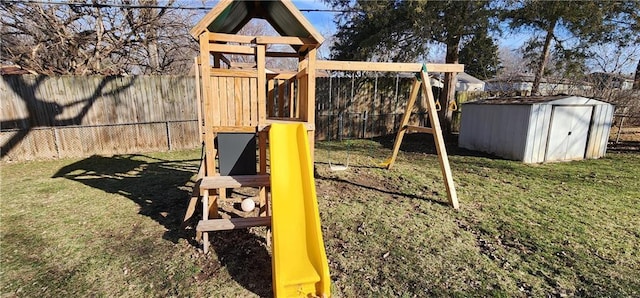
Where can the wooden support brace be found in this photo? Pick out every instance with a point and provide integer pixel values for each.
(439, 141)
(405, 120)
(419, 129)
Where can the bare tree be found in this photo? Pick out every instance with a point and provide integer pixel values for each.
(612, 58)
(259, 27)
(512, 62)
(81, 38)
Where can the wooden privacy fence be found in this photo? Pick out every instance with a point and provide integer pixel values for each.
(72, 116)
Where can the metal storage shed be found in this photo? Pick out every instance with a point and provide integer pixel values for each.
(537, 129)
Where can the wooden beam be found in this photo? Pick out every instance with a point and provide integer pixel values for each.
(243, 129)
(282, 54)
(232, 223)
(223, 37)
(231, 49)
(282, 75)
(290, 40)
(439, 140)
(234, 181)
(235, 73)
(308, 126)
(386, 66)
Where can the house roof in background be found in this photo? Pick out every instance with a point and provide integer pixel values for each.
(230, 16)
(608, 75)
(467, 78)
(526, 100)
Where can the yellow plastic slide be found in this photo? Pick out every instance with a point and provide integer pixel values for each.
(299, 265)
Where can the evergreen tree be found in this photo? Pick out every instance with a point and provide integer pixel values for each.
(400, 31)
(480, 56)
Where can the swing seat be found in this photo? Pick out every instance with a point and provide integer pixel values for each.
(338, 167)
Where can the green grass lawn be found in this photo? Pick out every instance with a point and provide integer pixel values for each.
(110, 226)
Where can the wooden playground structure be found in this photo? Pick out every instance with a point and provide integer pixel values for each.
(245, 99)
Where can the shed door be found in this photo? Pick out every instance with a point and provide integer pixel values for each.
(568, 133)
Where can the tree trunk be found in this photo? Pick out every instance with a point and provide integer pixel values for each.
(543, 60)
(636, 80)
(154, 55)
(449, 86)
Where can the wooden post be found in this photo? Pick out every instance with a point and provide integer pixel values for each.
(208, 93)
(198, 98)
(262, 84)
(405, 120)
(262, 148)
(216, 60)
(205, 216)
(281, 88)
(439, 140)
(292, 97)
(311, 99)
(271, 98)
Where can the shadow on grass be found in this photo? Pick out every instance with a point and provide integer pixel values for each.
(381, 190)
(246, 257)
(624, 147)
(424, 143)
(162, 189)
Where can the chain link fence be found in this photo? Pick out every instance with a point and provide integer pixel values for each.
(85, 140)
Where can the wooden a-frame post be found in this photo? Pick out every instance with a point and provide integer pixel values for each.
(435, 130)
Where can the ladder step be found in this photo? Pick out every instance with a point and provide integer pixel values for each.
(232, 223)
(214, 182)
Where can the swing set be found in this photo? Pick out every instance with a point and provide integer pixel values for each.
(404, 127)
(421, 84)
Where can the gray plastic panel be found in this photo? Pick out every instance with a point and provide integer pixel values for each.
(237, 153)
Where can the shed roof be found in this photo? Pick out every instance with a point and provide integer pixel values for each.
(528, 100)
(229, 16)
